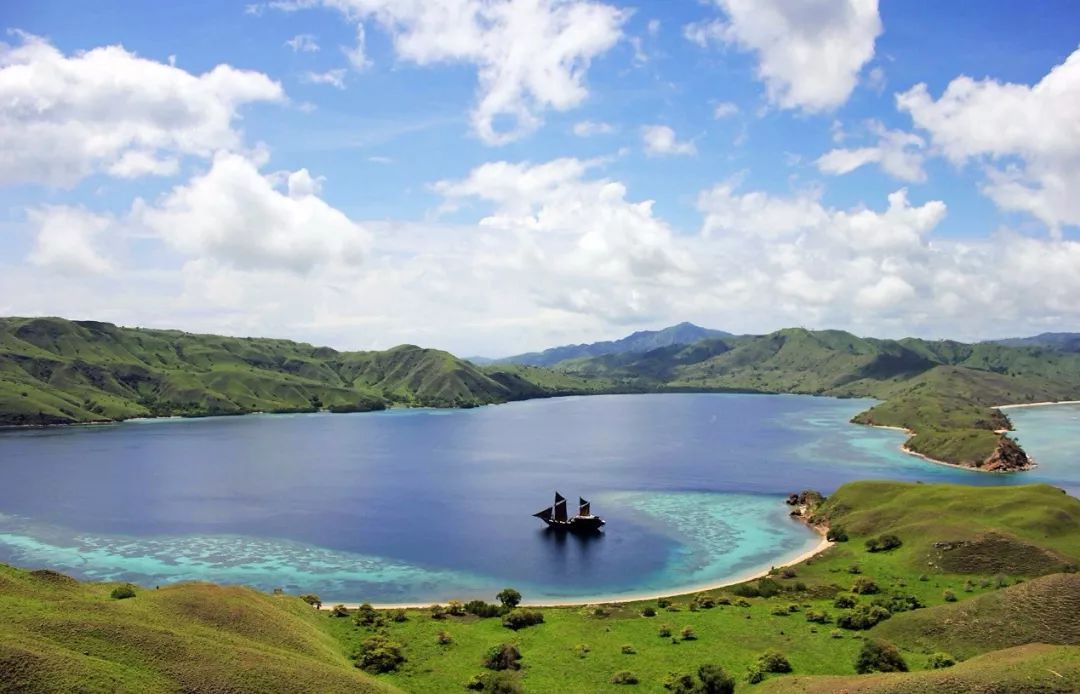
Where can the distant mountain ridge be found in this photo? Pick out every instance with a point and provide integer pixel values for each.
(1065, 342)
(640, 342)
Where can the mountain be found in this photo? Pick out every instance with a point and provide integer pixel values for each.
(641, 341)
(56, 371)
(1066, 342)
(944, 392)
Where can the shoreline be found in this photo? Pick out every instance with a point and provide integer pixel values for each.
(1036, 404)
(971, 468)
(624, 598)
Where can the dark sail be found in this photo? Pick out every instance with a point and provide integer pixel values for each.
(545, 514)
(583, 507)
(560, 507)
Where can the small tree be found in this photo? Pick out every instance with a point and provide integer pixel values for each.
(648, 612)
(509, 598)
(836, 534)
(379, 654)
(879, 656)
(715, 680)
(339, 611)
(941, 660)
(503, 657)
(864, 586)
(519, 619)
(688, 634)
(443, 638)
(949, 596)
(312, 599)
(123, 592)
(624, 677)
(774, 661)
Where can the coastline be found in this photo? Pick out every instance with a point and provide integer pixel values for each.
(1036, 404)
(622, 598)
(970, 468)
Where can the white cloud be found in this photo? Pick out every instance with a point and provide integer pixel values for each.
(809, 53)
(303, 43)
(335, 78)
(66, 239)
(530, 55)
(63, 118)
(900, 154)
(234, 216)
(660, 140)
(1027, 136)
(725, 109)
(588, 128)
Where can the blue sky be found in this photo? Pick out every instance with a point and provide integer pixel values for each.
(491, 176)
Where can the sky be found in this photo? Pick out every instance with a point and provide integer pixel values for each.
(498, 176)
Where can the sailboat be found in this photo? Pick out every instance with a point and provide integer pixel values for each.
(555, 516)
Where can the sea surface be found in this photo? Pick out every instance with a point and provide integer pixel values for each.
(427, 505)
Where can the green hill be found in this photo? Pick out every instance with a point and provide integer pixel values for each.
(55, 371)
(57, 634)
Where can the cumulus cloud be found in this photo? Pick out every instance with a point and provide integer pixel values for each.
(235, 216)
(660, 140)
(66, 239)
(809, 53)
(1027, 136)
(900, 154)
(64, 117)
(530, 55)
(588, 128)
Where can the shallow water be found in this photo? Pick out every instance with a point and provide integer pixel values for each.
(423, 505)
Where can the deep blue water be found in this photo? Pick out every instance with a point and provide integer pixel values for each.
(418, 505)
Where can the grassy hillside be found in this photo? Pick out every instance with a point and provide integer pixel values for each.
(942, 391)
(55, 371)
(56, 634)
(60, 635)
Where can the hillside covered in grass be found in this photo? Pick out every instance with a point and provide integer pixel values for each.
(55, 371)
(978, 593)
(944, 392)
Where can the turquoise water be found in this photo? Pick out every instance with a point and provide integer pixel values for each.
(423, 505)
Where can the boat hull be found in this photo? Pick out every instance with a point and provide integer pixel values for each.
(577, 524)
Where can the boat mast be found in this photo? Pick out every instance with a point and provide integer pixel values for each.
(560, 507)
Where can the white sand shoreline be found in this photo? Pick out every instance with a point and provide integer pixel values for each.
(935, 461)
(619, 598)
(1036, 404)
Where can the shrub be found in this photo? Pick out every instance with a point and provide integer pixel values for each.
(379, 654)
(704, 601)
(312, 599)
(582, 650)
(949, 596)
(723, 600)
(754, 675)
(648, 612)
(742, 603)
(693, 606)
(924, 577)
(780, 611)
(864, 586)
(399, 616)
(969, 586)
(746, 590)
(767, 587)
(680, 683)
(863, 617)
(509, 598)
(495, 683)
(483, 609)
(437, 612)
(664, 631)
(519, 619)
(836, 535)
(688, 634)
(600, 611)
(663, 602)
(366, 616)
(624, 677)
(845, 602)
(455, 608)
(879, 656)
(339, 611)
(503, 657)
(800, 586)
(123, 592)
(900, 603)
(715, 680)
(774, 661)
(627, 649)
(941, 660)
(818, 616)
(788, 572)
(836, 634)
(854, 569)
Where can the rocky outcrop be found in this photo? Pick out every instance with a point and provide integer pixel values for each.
(1007, 457)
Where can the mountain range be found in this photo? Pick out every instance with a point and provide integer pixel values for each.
(1066, 342)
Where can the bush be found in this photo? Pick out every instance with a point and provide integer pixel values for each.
(774, 661)
(704, 601)
(883, 543)
(854, 569)
(663, 602)
(664, 631)
(949, 596)
(845, 602)
(455, 608)
(648, 612)
(863, 617)
(788, 572)
(624, 677)
(879, 656)
(123, 592)
(767, 587)
(366, 616)
(509, 598)
(519, 619)
(864, 586)
(312, 599)
(495, 683)
(400, 616)
(503, 657)
(437, 612)
(483, 609)
(688, 634)
(746, 590)
(444, 638)
(379, 654)
(941, 660)
(627, 649)
(836, 535)
(582, 650)
(339, 611)
(836, 634)
(900, 603)
(715, 680)
(680, 683)
(818, 616)
(754, 675)
(780, 611)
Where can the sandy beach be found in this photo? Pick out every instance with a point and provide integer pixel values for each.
(749, 575)
(1037, 404)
